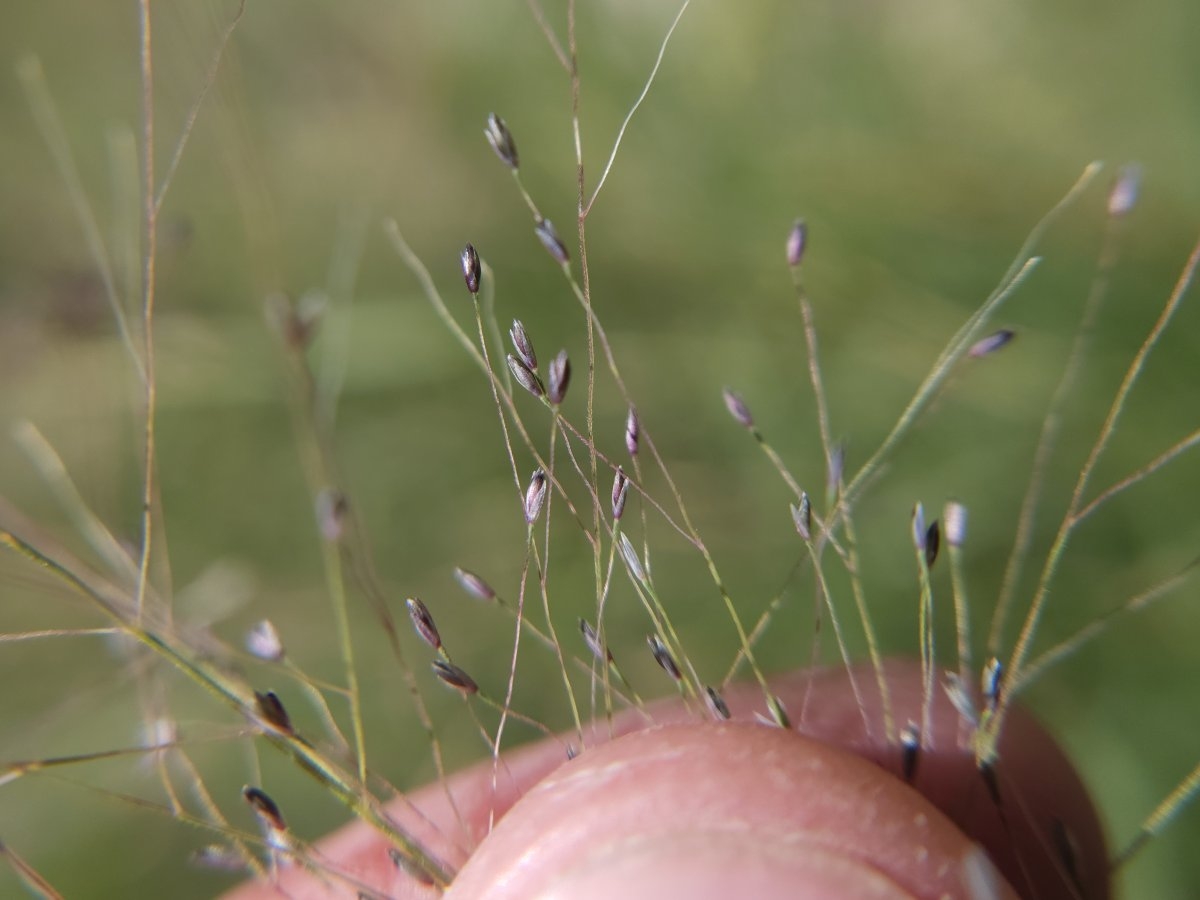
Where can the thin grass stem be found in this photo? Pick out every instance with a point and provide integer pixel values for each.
(1163, 459)
(1020, 269)
(925, 636)
(1170, 807)
(149, 262)
(213, 811)
(873, 652)
(335, 350)
(319, 703)
(58, 633)
(125, 190)
(1048, 439)
(539, 16)
(962, 613)
(237, 695)
(50, 466)
(824, 594)
(335, 584)
(662, 52)
(45, 114)
(931, 386)
(543, 589)
(585, 297)
(29, 876)
(193, 113)
(989, 735)
(1066, 648)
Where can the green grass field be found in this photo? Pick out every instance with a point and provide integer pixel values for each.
(921, 142)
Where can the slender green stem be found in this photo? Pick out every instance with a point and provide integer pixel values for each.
(46, 117)
(925, 629)
(1048, 439)
(1048, 659)
(826, 595)
(29, 876)
(662, 52)
(320, 704)
(149, 260)
(50, 466)
(929, 388)
(962, 621)
(860, 601)
(336, 585)
(1176, 449)
(193, 113)
(1171, 806)
(986, 743)
(1020, 269)
(237, 695)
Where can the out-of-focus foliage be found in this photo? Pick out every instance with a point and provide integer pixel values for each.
(920, 141)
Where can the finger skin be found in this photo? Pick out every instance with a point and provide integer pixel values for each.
(1036, 785)
(715, 811)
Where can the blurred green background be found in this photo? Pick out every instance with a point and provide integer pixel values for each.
(921, 141)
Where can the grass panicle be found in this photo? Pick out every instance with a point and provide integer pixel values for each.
(606, 523)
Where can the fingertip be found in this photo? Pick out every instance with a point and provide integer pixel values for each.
(711, 867)
(1032, 811)
(714, 811)
(1044, 835)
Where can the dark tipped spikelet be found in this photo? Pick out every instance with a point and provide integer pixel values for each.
(474, 585)
(558, 376)
(716, 703)
(523, 345)
(663, 657)
(987, 771)
(997, 340)
(802, 516)
(535, 496)
(594, 644)
(502, 142)
(472, 269)
(544, 229)
(797, 241)
(525, 378)
(264, 807)
(993, 677)
(423, 623)
(633, 432)
(271, 711)
(933, 542)
(737, 408)
(332, 507)
(296, 324)
(1067, 848)
(910, 749)
(410, 867)
(455, 677)
(620, 490)
(779, 714)
(1124, 194)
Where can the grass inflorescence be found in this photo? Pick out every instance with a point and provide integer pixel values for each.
(624, 551)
